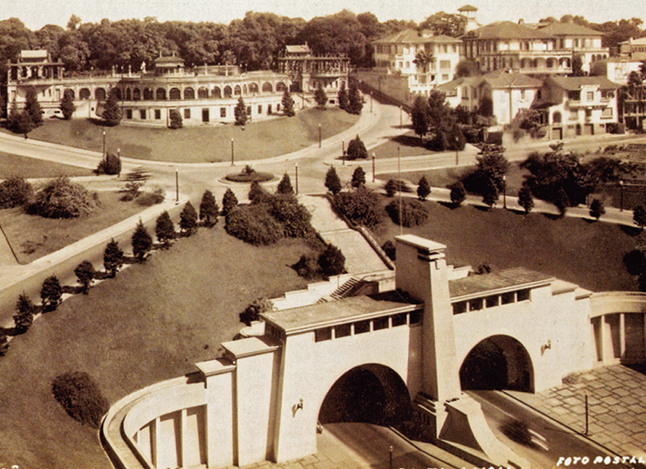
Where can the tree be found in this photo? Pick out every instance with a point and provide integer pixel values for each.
(15, 191)
(111, 110)
(342, 96)
(257, 193)
(240, 112)
(423, 188)
(445, 24)
(288, 103)
(332, 181)
(19, 121)
(639, 216)
(176, 120)
(81, 398)
(492, 166)
(354, 99)
(490, 192)
(62, 198)
(51, 293)
(33, 109)
(525, 198)
(357, 149)
(577, 66)
(111, 164)
(24, 317)
(458, 193)
(285, 186)
(420, 116)
(597, 209)
(209, 209)
(112, 258)
(358, 178)
(229, 201)
(67, 106)
(188, 219)
(165, 229)
(391, 188)
(254, 309)
(332, 261)
(142, 242)
(4, 343)
(85, 274)
(320, 97)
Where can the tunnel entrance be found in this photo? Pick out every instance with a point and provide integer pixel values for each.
(498, 362)
(369, 394)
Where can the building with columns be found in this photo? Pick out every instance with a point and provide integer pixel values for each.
(202, 95)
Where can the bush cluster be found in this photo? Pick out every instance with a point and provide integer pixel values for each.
(15, 192)
(413, 212)
(81, 398)
(362, 206)
(110, 165)
(253, 224)
(62, 198)
(326, 263)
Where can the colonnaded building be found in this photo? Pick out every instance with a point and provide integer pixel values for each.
(417, 339)
(202, 95)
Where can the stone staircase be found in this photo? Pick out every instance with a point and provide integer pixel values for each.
(345, 290)
(360, 258)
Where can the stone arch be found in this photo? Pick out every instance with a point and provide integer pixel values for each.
(237, 90)
(148, 94)
(99, 94)
(117, 91)
(267, 88)
(498, 362)
(551, 62)
(71, 92)
(565, 62)
(245, 90)
(84, 93)
(202, 93)
(253, 88)
(227, 91)
(371, 393)
(280, 87)
(136, 94)
(128, 94)
(160, 94)
(217, 92)
(189, 93)
(175, 94)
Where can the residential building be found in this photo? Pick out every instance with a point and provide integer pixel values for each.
(579, 40)
(576, 106)
(204, 94)
(616, 69)
(307, 72)
(633, 48)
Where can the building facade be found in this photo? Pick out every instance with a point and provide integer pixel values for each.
(633, 48)
(202, 95)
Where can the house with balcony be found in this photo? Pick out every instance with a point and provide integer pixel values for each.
(581, 41)
(576, 106)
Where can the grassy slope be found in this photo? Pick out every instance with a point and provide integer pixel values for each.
(13, 165)
(409, 144)
(261, 139)
(33, 236)
(589, 254)
(150, 323)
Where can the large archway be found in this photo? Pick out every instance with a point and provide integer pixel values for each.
(368, 393)
(498, 362)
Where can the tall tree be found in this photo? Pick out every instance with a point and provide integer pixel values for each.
(423, 188)
(33, 108)
(208, 209)
(165, 229)
(320, 97)
(229, 201)
(85, 274)
(67, 106)
(288, 103)
(525, 198)
(343, 97)
(354, 99)
(332, 181)
(112, 258)
(188, 219)
(240, 112)
(51, 293)
(142, 242)
(420, 116)
(358, 177)
(112, 110)
(285, 186)
(24, 317)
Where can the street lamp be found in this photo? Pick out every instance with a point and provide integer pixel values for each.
(296, 177)
(373, 166)
(401, 121)
(621, 202)
(176, 186)
(232, 152)
(457, 146)
(504, 191)
(371, 102)
(319, 135)
(104, 144)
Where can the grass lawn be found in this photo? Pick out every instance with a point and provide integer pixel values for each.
(409, 145)
(152, 322)
(33, 236)
(257, 140)
(14, 165)
(586, 253)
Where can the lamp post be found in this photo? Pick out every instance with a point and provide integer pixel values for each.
(371, 102)
(319, 135)
(401, 119)
(296, 177)
(374, 156)
(504, 191)
(621, 201)
(176, 186)
(119, 158)
(457, 146)
(104, 144)
(232, 153)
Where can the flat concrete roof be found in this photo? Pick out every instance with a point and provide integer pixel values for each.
(497, 282)
(251, 346)
(306, 318)
(420, 242)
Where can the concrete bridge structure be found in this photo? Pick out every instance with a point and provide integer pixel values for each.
(379, 358)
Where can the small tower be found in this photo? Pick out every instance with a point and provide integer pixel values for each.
(469, 12)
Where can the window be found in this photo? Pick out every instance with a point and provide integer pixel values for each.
(415, 317)
(260, 109)
(342, 330)
(128, 113)
(142, 114)
(508, 298)
(574, 95)
(322, 334)
(380, 323)
(223, 112)
(445, 64)
(492, 301)
(157, 114)
(187, 113)
(249, 111)
(399, 319)
(459, 308)
(475, 305)
(268, 108)
(361, 327)
(445, 77)
(522, 295)
(607, 113)
(590, 96)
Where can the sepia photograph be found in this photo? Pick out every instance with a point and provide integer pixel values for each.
(357, 234)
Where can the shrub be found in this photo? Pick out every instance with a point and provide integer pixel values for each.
(253, 224)
(389, 248)
(15, 192)
(142, 242)
(294, 217)
(209, 209)
(24, 317)
(188, 219)
(51, 293)
(391, 188)
(229, 201)
(331, 261)
(112, 110)
(332, 181)
(288, 103)
(240, 112)
(357, 150)
(525, 198)
(257, 193)
(423, 188)
(597, 209)
(176, 121)
(148, 199)
(112, 258)
(62, 198)
(320, 97)
(165, 228)
(358, 177)
(254, 309)
(67, 106)
(81, 398)
(248, 174)
(307, 266)
(361, 206)
(634, 262)
(85, 274)
(458, 193)
(413, 212)
(285, 186)
(111, 165)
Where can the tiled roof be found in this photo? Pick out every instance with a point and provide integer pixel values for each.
(298, 49)
(640, 41)
(168, 60)
(467, 8)
(564, 29)
(417, 37)
(460, 81)
(505, 280)
(575, 83)
(507, 30)
(514, 80)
